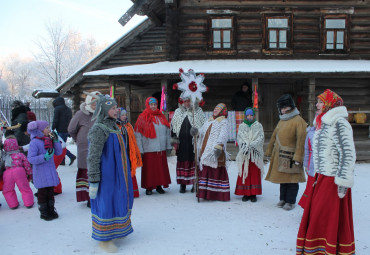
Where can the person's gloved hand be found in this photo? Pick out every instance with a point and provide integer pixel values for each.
(342, 191)
(54, 136)
(194, 131)
(174, 140)
(93, 189)
(168, 152)
(217, 152)
(49, 154)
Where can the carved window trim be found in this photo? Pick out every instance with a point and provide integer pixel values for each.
(221, 31)
(266, 49)
(335, 31)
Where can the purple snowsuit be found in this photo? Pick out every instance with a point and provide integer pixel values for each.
(308, 155)
(44, 172)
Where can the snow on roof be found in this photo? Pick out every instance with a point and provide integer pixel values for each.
(240, 66)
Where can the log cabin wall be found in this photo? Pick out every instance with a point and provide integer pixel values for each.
(249, 19)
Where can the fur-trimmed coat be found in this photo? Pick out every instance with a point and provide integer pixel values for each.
(333, 147)
(78, 129)
(250, 140)
(216, 139)
(291, 133)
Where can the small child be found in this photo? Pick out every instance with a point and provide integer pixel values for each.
(17, 171)
(44, 144)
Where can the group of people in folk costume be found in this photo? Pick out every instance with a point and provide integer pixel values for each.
(112, 151)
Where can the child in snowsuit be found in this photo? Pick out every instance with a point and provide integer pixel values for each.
(17, 171)
(44, 144)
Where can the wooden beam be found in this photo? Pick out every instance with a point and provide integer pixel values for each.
(311, 100)
(128, 100)
(131, 12)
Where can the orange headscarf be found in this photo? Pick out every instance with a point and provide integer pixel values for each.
(330, 100)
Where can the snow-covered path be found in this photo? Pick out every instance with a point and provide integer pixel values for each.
(175, 223)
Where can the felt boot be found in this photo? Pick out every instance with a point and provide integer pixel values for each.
(182, 188)
(108, 246)
(52, 211)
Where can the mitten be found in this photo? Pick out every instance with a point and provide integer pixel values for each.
(297, 163)
(168, 152)
(174, 140)
(54, 135)
(217, 152)
(194, 131)
(93, 189)
(49, 154)
(342, 191)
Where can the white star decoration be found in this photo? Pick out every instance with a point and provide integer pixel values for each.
(191, 85)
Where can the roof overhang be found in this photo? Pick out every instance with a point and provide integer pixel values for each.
(255, 67)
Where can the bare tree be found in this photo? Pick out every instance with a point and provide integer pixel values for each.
(61, 53)
(17, 73)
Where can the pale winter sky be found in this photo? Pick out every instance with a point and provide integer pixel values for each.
(23, 21)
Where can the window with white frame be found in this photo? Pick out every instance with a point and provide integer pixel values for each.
(277, 33)
(221, 33)
(335, 34)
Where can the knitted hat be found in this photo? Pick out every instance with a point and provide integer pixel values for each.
(11, 144)
(330, 100)
(249, 111)
(285, 100)
(35, 128)
(153, 100)
(103, 105)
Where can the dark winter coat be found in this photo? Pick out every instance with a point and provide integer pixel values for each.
(78, 129)
(19, 116)
(62, 115)
(242, 100)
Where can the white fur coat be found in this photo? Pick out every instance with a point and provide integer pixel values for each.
(250, 140)
(333, 147)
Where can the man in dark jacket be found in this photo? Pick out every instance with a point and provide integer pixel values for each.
(243, 98)
(19, 116)
(62, 117)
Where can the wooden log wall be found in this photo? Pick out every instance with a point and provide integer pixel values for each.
(307, 19)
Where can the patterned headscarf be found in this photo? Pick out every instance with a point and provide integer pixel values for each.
(223, 110)
(249, 111)
(330, 100)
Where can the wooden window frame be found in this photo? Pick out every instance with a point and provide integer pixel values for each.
(266, 35)
(346, 46)
(222, 51)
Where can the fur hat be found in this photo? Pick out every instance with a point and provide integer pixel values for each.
(90, 99)
(17, 103)
(103, 104)
(285, 100)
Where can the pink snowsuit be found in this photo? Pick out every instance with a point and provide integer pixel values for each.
(16, 174)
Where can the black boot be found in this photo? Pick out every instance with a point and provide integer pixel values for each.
(253, 198)
(182, 188)
(44, 212)
(245, 198)
(148, 192)
(52, 211)
(160, 190)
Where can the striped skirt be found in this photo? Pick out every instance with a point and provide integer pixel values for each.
(135, 187)
(82, 185)
(252, 184)
(214, 183)
(185, 172)
(327, 224)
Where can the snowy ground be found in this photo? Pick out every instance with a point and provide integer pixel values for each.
(175, 223)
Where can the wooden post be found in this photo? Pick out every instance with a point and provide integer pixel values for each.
(311, 100)
(255, 85)
(128, 100)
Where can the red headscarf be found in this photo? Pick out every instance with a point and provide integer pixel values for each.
(330, 100)
(146, 120)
